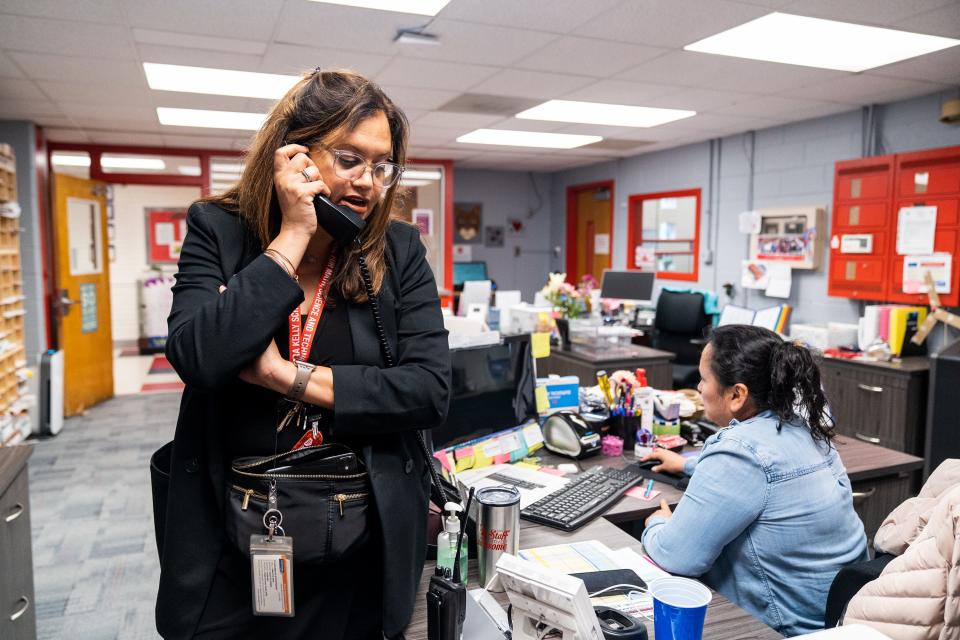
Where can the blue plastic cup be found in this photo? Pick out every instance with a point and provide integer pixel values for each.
(679, 607)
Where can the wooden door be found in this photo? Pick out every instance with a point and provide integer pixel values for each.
(591, 219)
(82, 291)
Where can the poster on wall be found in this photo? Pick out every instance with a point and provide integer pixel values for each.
(493, 236)
(166, 229)
(915, 268)
(792, 236)
(467, 222)
(423, 219)
(645, 258)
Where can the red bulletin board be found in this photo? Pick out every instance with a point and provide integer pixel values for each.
(165, 231)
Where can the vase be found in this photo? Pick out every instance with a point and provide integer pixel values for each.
(563, 328)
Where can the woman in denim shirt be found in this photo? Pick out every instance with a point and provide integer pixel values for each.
(767, 519)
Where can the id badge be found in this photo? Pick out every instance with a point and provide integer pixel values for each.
(271, 573)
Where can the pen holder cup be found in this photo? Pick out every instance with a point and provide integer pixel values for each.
(625, 427)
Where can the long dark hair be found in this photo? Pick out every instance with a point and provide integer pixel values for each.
(780, 376)
(319, 105)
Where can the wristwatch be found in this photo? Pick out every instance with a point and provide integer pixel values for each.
(299, 386)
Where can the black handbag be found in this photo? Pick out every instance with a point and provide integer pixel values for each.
(321, 493)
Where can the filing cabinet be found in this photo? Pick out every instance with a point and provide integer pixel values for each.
(17, 610)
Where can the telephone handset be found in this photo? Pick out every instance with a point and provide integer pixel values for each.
(342, 224)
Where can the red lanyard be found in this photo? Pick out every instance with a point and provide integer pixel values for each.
(300, 343)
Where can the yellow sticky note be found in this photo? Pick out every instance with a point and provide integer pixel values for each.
(543, 404)
(540, 345)
(526, 465)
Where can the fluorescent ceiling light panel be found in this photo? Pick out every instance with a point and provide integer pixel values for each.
(65, 160)
(414, 183)
(110, 162)
(508, 138)
(421, 174)
(216, 176)
(814, 42)
(614, 115)
(128, 162)
(188, 170)
(226, 168)
(420, 7)
(221, 82)
(210, 119)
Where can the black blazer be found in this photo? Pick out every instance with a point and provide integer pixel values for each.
(213, 336)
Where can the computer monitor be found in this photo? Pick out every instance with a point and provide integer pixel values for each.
(627, 285)
(492, 390)
(467, 271)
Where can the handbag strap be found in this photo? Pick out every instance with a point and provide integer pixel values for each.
(388, 358)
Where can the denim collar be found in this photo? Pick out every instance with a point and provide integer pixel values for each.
(768, 413)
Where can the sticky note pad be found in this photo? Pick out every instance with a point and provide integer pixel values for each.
(503, 458)
(543, 400)
(540, 345)
(465, 463)
(637, 492)
(553, 472)
(526, 465)
(463, 452)
(444, 460)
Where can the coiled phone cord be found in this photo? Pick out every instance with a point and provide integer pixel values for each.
(388, 357)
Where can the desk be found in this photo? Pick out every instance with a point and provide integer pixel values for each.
(585, 360)
(724, 619)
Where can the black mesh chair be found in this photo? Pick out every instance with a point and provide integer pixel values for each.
(848, 582)
(681, 327)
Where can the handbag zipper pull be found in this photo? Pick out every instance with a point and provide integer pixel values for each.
(246, 499)
(272, 495)
(340, 498)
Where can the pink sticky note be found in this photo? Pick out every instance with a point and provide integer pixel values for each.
(444, 460)
(637, 492)
(463, 452)
(501, 458)
(553, 472)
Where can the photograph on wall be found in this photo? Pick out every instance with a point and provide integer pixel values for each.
(792, 236)
(493, 236)
(467, 222)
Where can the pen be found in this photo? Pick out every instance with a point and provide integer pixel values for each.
(646, 493)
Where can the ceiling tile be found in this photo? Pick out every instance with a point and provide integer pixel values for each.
(417, 98)
(531, 84)
(516, 124)
(944, 21)
(865, 88)
(781, 107)
(588, 56)
(201, 101)
(66, 135)
(297, 59)
(96, 93)
(430, 74)
(458, 121)
(197, 142)
(558, 16)
(197, 57)
(425, 136)
(478, 43)
(672, 24)
(20, 89)
(44, 66)
(876, 12)
(942, 66)
(621, 92)
(64, 37)
(698, 99)
(8, 68)
(26, 109)
(127, 113)
(105, 11)
(204, 42)
(139, 138)
(244, 19)
(706, 71)
(438, 153)
(317, 24)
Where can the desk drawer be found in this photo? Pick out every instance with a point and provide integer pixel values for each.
(874, 499)
(16, 563)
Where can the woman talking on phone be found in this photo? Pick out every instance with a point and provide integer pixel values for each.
(273, 333)
(767, 518)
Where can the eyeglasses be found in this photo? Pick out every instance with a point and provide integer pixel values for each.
(351, 166)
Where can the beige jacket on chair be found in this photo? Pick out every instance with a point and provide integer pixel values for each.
(917, 597)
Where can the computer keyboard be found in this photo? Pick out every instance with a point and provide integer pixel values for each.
(583, 499)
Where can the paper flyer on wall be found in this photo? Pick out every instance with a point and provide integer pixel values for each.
(916, 227)
(940, 266)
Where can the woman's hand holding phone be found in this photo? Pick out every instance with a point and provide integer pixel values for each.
(291, 166)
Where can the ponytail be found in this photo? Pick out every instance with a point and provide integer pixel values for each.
(781, 377)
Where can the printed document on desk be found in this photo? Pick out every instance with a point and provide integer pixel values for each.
(532, 485)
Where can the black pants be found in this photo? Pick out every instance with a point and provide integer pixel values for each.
(340, 601)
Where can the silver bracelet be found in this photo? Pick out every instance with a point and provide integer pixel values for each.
(299, 386)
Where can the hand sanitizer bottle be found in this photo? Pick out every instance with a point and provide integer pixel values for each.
(447, 541)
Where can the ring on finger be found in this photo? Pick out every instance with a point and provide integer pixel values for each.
(306, 175)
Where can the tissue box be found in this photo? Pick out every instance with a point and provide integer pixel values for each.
(815, 336)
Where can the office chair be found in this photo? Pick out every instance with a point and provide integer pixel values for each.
(680, 327)
(848, 582)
